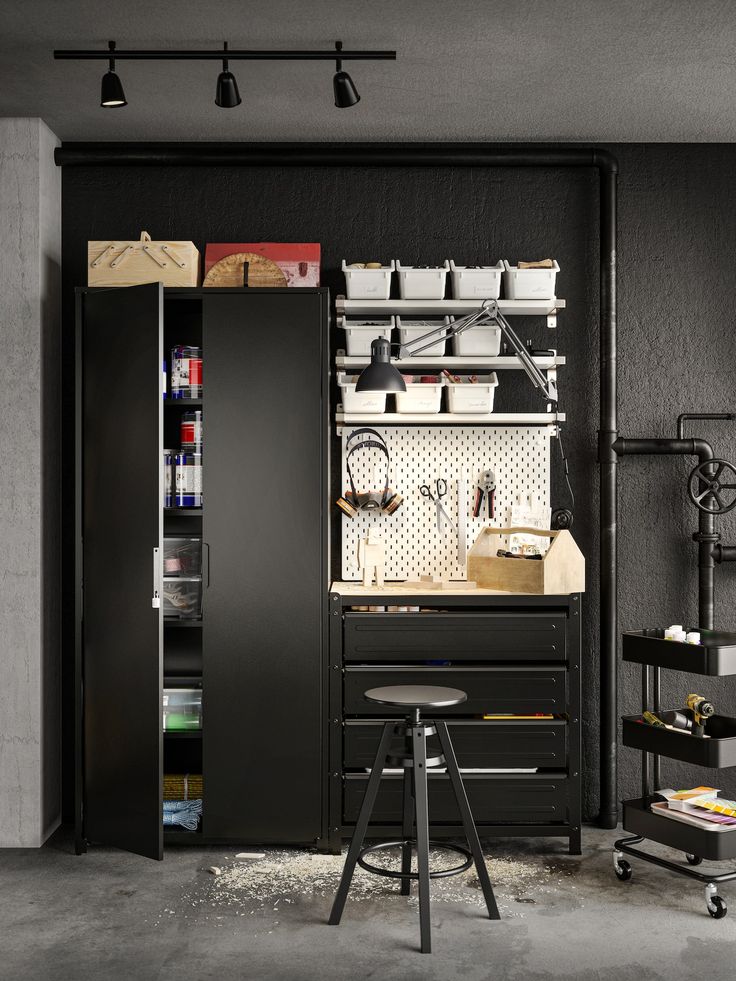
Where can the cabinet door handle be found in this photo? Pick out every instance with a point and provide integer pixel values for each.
(156, 598)
(207, 564)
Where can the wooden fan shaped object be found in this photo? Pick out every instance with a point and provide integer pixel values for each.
(229, 271)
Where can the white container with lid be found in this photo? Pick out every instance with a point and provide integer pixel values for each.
(476, 282)
(360, 333)
(422, 284)
(368, 284)
(472, 397)
(530, 284)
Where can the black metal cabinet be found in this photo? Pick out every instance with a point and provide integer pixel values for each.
(258, 650)
(512, 655)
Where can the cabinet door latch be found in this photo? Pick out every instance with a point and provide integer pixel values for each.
(156, 598)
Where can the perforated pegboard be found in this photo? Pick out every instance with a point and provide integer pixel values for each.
(519, 458)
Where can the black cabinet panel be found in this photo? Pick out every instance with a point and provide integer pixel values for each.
(522, 690)
(263, 524)
(121, 487)
(462, 636)
(493, 799)
(477, 744)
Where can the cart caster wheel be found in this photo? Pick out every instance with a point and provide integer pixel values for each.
(623, 870)
(717, 908)
(693, 859)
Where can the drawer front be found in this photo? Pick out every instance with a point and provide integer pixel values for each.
(493, 800)
(454, 636)
(518, 691)
(477, 744)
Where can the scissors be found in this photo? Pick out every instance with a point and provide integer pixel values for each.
(440, 491)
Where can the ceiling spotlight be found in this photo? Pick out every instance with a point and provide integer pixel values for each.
(346, 94)
(111, 91)
(227, 96)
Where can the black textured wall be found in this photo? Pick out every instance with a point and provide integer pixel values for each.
(677, 329)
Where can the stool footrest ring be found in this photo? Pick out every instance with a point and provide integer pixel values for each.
(398, 874)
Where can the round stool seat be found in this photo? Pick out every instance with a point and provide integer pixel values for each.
(416, 696)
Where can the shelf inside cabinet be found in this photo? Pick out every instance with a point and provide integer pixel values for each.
(449, 418)
(183, 512)
(715, 655)
(176, 622)
(715, 750)
(442, 308)
(475, 362)
(182, 733)
(715, 846)
(195, 403)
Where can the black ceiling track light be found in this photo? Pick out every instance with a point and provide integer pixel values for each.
(112, 95)
(227, 95)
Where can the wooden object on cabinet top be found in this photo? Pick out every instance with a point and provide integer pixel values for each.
(134, 263)
(561, 570)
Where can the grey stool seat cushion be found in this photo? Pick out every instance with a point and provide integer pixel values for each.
(416, 696)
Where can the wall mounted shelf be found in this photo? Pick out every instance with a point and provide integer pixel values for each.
(449, 418)
(443, 308)
(476, 362)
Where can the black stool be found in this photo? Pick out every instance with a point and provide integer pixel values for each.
(414, 762)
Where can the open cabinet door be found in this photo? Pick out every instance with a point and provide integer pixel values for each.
(120, 351)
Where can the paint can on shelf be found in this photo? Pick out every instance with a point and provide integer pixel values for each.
(188, 480)
(186, 372)
(191, 431)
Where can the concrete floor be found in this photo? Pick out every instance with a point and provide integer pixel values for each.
(108, 915)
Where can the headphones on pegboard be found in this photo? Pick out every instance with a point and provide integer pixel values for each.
(385, 501)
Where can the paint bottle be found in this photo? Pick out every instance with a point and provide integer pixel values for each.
(191, 431)
(189, 480)
(186, 372)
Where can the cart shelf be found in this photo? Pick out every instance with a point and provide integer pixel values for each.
(715, 655)
(715, 846)
(716, 750)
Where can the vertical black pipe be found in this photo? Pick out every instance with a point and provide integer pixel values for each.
(607, 460)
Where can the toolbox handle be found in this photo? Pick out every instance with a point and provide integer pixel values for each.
(539, 532)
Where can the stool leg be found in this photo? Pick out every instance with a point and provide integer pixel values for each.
(406, 830)
(361, 827)
(471, 832)
(419, 742)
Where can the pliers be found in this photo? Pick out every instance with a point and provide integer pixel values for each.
(486, 488)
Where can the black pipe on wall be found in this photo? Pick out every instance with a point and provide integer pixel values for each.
(460, 155)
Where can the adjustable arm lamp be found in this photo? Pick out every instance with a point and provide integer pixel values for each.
(382, 376)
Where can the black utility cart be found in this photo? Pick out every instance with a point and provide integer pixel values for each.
(715, 656)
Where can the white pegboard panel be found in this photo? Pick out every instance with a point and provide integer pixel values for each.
(519, 458)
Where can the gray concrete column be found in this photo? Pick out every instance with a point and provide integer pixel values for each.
(30, 324)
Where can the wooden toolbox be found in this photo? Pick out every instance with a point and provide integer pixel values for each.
(560, 571)
(133, 263)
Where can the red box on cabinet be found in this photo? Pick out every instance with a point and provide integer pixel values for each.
(269, 264)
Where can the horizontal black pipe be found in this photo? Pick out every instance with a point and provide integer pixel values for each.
(233, 54)
(686, 416)
(329, 155)
(724, 553)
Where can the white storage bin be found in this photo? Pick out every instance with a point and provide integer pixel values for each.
(424, 397)
(530, 284)
(484, 341)
(410, 330)
(467, 397)
(360, 333)
(368, 284)
(481, 282)
(368, 403)
(422, 284)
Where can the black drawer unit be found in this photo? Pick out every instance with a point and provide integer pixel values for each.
(513, 655)
(533, 799)
(477, 744)
(515, 690)
(517, 637)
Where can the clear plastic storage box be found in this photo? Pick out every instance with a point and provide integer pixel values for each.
(420, 397)
(182, 709)
(411, 330)
(472, 397)
(368, 284)
(182, 556)
(422, 284)
(182, 596)
(530, 284)
(476, 282)
(360, 333)
(369, 403)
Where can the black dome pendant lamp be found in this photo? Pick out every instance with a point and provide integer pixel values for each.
(112, 95)
(346, 94)
(227, 96)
